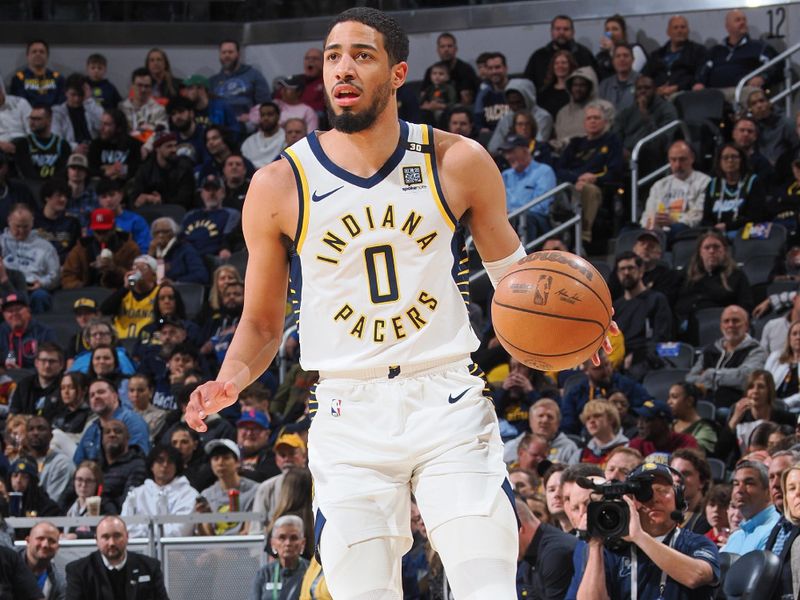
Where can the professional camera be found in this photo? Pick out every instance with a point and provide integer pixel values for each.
(609, 518)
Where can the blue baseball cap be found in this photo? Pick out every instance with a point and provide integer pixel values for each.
(654, 409)
(652, 470)
(254, 416)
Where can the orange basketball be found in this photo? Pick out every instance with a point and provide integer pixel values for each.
(551, 310)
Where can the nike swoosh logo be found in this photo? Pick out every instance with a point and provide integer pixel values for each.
(318, 197)
(453, 400)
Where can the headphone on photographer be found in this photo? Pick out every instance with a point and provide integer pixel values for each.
(681, 505)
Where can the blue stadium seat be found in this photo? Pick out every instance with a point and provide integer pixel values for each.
(718, 469)
(658, 382)
(754, 577)
(726, 559)
(707, 411)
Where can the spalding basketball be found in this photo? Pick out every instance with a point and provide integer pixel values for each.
(551, 310)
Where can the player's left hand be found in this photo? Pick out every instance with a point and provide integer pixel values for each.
(613, 329)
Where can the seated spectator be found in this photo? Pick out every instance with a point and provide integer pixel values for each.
(131, 305)
(752, 497)
(14, 438)
(745, 136)
(15, 578)
(643, 316)
(37, 393)
(544, 553)
(36, 82)
(221, 330)
(164, 177)
(490, 102)
(164, 85)
(577, 498)
(218, 428)
(621, 461)
(783, 365)
(114, 571)
(783, 535)
(24, 250)
(288, 97)
(581, 86)
(20, 333)
(544, 420)
(165, 492)
(194, 460)
(114, 154)
(110, 196)
(55, 468)
(682, 401)
(460, 73)
(615, 35)
(695, 477)
(143, 113)
(618, 86)
(214, 230)
(591, 161)
(676, 201)
(646, 113)
(601, 380)
(102, 90)
(515, 396)
(601, 420)
(77, 119)
(100, 259)
(286, 567)
(672, 67)
(100, 332)
(655, 430)
(181, 261)
(531, 451)
(104, 402)
(240, 85)
(82, 197)
(712, 280)
(524, 125)
(123, 467)
(738, 54)
(208, 110)
(776, 132)
(266, 144)
(524, 482)
(220, 144)
(553, 96)
(191, 137)
(783, 166)
(14, 122)
(181, 360)
(52, 223)
(521, 95)
(551, 483)
(562, 34)
(41, 154)
(225, 458)
(140, 394)
(223, 275)
(716, 506)
(74, 411)
(525, 180)
(157, 339)
(252, 436)
(785, 210)
(104, 363)
(658, 276)
(294, 130)
(723, 367)
(756, 406)
(438, 94)
(38, 553)
(24, 478)
(237, 182)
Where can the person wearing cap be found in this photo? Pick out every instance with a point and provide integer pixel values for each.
(144, 114)
(164, 177)
(77, 119)
(215, 230)
(752, 494)
(20, 333)
(208, 110)
(82, 199)
(525, 180)
(178, 260)
(662, 560)
(253, 436)
(237, 181)
(241, 86)
(288, 97)
(41, 154)
(181, 359)
(224, 456)
(114, 154)
(110, 195)
(655, 432)
(100, 259)
(24, 250)
(84, 309)
(266, 144)
(14, 111)
(191, 135)
(24, 478)
(131, 305)
(52, 223)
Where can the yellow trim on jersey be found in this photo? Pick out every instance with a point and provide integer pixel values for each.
(432, 182)
(306, 199)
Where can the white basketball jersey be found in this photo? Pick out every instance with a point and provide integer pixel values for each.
(383, 278)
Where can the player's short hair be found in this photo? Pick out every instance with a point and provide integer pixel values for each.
(97, 59)
(395, 39)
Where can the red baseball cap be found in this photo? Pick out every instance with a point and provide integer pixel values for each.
(102, 219)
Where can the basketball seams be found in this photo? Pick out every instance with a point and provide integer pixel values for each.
(555, 316)
(535, 354)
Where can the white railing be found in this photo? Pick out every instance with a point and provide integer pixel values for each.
(789, 87)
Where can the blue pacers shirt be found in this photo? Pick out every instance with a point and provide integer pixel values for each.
(618, 570)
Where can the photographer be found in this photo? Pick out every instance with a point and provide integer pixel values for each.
(662, 560)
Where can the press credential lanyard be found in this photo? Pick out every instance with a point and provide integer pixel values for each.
(635, 570)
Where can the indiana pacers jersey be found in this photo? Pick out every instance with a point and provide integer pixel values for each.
(383, 277)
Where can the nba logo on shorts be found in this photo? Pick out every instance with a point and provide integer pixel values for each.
(542, 290)
(336, 408)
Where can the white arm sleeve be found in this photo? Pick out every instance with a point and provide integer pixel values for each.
(497, 268)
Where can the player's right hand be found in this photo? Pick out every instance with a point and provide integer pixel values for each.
(209, 398)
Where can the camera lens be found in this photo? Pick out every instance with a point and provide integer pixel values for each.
(608, 519)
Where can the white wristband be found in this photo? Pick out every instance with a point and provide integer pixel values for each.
(497, 268)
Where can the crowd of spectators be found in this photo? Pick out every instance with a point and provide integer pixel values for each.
(140, 194)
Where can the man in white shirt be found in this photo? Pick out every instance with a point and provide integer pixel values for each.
(266, 144)
(14, 113)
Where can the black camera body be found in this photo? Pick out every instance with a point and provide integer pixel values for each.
(609, 517)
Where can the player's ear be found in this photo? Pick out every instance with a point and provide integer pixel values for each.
(399, 74)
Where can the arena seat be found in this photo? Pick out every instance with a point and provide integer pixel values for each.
(684, 358)
(726, 559)
(658, 382)
(754, 577)
(707, 411)
(193, 295)
(777, 287)
(603, 267)
(757, 268)
(682, 252)
(708, 325)
(64, 299)
(718, 468)
(152, 212)
(773, 245)
(64, 326)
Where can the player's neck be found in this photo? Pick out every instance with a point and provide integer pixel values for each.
(365, 152)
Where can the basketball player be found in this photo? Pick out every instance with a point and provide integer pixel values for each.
(374, 210)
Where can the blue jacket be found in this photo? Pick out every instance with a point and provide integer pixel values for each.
(208, 230)
(183, 263)
(81, 362)
(725, 64)
(242, 89)
(90, 448)
(574, 400)
(135, 224)
(218, 113)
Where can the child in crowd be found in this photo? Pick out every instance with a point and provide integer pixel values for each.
(103, 91)
(439, 95)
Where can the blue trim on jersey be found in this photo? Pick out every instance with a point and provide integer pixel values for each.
(319, 523)
(363, 182)
(301, 203)
(460, 268)
(509, 491)
(435, 170)
(295, 291)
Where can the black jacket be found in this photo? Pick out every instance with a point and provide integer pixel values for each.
(785, 585)
(87, 579)
(127, 472)
(31, 399)
(683, 69)
(175, 184)
(16, 581)
(536, 69)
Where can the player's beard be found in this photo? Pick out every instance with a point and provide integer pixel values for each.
(353, 122)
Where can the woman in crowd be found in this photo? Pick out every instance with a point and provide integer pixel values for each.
(552, 495)
(101, 331)
(601, 420)
(14, 436)
(104, 363)
(140, 394)
(554, 95)
(790, 485)
(295, 499)
(164, 86)
(682, 401)
(282, 576)
(73, 414)
(735, 195)
(695, 471)
(223, 276)
(718, 501)
(784, 365)
(169, 303)
(756, 407)
(616, 33)
(87, 482)
(627, 419)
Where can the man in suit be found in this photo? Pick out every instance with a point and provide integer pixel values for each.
(113, 572)
(783, 533)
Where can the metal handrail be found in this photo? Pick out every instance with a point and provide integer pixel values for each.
(635, 183)
(787, 74)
